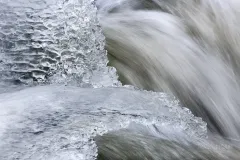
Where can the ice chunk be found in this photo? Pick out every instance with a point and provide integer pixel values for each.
(53, 40)
(57, 122)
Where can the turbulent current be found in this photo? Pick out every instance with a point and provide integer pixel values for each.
(189, 49)
(178, 63)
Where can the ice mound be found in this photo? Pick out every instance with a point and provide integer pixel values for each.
(54, 41)
(56, 122)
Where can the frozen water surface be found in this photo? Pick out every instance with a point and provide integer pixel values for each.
(55, 122)
(52, 40)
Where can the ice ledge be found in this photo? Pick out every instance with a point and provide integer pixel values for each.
(57, 122)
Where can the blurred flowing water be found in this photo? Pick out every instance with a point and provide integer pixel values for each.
(59, 99)
(188, 49)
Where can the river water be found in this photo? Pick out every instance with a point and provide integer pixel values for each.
(188, 49)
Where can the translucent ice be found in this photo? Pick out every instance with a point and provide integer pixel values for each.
(56, 122)
(54, 41)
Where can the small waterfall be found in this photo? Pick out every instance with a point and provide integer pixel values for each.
(188, 49)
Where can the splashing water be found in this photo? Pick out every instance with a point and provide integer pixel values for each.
(189, 49)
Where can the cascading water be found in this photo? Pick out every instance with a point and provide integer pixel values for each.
(60, 101)
(189, 49)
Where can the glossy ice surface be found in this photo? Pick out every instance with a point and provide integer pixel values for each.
(55, 122)
(52, 40)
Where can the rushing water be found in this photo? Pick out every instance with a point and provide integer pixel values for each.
(60, 101)
(189, 49)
